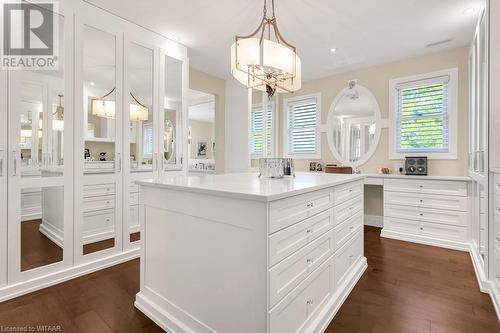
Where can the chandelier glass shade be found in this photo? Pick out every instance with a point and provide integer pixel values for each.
(106, 109)
(259, 62)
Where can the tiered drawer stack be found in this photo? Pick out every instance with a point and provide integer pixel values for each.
(98, 212)
(434, 210)
(134, 208)
(314, 241)
(496, 185)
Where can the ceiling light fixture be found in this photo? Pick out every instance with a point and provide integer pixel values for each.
(264, 60)
(106, 109)
(333, 50)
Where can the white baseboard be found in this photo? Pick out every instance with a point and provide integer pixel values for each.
(26, 287)
(453, 245)
(374, 221)
(98, 236)
(52, 233)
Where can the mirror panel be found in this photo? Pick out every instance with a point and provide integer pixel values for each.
(353, 125)
(201, 132)
(99, 70)
(141, 108)
(42, 226)
(99, 97)
(172, 114)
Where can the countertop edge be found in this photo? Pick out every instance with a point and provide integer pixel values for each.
(393, 176)
(247, 196)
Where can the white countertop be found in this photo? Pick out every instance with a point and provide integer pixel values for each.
(250, 186)
(395, 176)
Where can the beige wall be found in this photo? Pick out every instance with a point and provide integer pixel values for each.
(376, 79)
(210, 84)
(201, 131)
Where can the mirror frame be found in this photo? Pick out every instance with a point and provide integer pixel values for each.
(378, 127)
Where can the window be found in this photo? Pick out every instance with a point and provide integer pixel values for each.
(147, 147)
(301, 127)
(257, 130)
(423, 114)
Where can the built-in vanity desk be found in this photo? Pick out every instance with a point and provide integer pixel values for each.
(433, 210)
(237, 253)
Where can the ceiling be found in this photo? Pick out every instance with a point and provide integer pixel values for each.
(364, 32)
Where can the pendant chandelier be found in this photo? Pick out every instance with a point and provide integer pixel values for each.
(106, 109)
(264, 60)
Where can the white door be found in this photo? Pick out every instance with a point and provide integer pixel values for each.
(174, 86)
(3, 178)
(140, 149)
(40, 210)
(99, 114)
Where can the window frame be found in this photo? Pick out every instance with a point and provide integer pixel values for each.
(452, 114)
(286, 102)
(273, 130)
(149, 125)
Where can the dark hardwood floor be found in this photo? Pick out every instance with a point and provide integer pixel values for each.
(406, 288)
(36, 249)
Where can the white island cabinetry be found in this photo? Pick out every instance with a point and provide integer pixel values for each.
(235, 253)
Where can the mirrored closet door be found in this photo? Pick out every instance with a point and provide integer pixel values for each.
(98, 133)
(141, 81)
(39, 174)
(3, 179)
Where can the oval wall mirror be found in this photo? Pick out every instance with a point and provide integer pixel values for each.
(354, 125)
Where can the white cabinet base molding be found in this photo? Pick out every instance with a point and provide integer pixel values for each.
(265, 257)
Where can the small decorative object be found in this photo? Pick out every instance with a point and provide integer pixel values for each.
(385, 171)
(276, 167)
(86, 154)
(319, 167)
(312, 166)
(333, 168)
(202, 149)
(102, 156)
(416, 166)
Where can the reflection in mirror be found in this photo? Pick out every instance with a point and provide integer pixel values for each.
(259, 99)
(99, 90)
(141, 110)
(353, 124)
(201, 132)
(99, 100)
(40, 112)
(172, 114)
(42, 226)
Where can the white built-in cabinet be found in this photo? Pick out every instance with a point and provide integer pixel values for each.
(478, 141)
(83, 212)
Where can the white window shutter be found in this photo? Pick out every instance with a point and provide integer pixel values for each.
(302, 126)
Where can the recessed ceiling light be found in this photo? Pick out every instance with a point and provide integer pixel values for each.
(468, 11)
(333, 50)
(92, 84)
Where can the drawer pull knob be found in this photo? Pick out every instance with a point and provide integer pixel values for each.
(310, 302)
(107, 220)
(107, 202)
(421, 201)
(350, 190)
(421, 214)
(309, 231)
(421, 228)
(351, 227)
(310, 260)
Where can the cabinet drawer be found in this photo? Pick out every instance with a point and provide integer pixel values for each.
(98, 190)
(443, 231)
(96, 221)
(287, 275)
(287, 241)
(303, 304)
(444, 216)
(285, 212)
(440, 187)
(449, 202)
(348, 191)
(344, 231)
(98, 203)
(426, 214)
(346, 257)
(134, 199)
(402, 225)
(347, 209)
